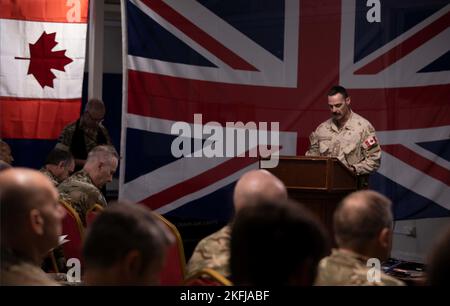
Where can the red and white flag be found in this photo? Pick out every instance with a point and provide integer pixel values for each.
(42, 52)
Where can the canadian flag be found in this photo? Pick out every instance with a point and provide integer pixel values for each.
(370, 142)
(42, 52)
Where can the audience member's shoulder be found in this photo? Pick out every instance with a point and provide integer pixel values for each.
(70, 127)
(76, 186)
(77, 179)
(25, 274)
(347, 269)
(360, 277)
(221, 236)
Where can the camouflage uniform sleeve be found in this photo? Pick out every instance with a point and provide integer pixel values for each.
(314, 145)
(65, 139)
(101, 200)
(94, 196)
(371, 151)
(197, 260)
(81, 197)
(106, 133)
(80, 202)
(212, 252)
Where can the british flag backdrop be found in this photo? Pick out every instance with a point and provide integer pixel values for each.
(274, 61)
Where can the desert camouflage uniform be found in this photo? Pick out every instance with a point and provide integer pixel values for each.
(355, 144)
(212, 252)
(344, 268)
(80, 192)
(90, 136)
(16, 271)
(50, 175)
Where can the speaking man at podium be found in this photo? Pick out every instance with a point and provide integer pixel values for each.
(346, 136)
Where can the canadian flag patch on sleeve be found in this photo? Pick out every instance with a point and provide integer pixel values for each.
(370, 142)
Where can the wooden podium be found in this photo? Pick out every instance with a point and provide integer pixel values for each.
(319, 183)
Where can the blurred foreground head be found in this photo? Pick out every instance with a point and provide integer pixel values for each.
(126, 245)
(276, 243)
(31, 217)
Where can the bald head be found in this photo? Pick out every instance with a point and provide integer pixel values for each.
(22, 185)
(360, 218)
(30, 213)
(256, 186)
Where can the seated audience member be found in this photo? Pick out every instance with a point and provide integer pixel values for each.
(363, 231)
(58, 166)
(31, 223)
(214, 251)
(276, 243)
(82, 189)
(83, 135)
(5, 153)
(438, 269)
(126, 245)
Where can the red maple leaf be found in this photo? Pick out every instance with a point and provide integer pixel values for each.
(43, 59)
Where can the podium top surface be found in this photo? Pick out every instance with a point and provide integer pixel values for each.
(314, 173)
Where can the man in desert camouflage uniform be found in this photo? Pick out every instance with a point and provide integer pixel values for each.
(363, 231)
(214, 251)
(58, 166)
(81, 136)
(346, 136)
(82, 189)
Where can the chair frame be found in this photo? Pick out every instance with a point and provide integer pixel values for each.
(75, 215)
(178, 239)
(213, 274)
(95, 208)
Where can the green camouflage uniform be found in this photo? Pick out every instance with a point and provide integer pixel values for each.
(50, 175)
(90, 136)
(80, 192)
(355, 144)
(344, 268)
(212, 252)
(16, 271)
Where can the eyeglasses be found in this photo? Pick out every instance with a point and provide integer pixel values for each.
(98, 121)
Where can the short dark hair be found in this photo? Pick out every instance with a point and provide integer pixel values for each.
(57, 155)
(123, 227)
(271, 240)
(337, 89)
(438, 268)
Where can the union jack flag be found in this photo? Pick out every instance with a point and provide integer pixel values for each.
(273, 61)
